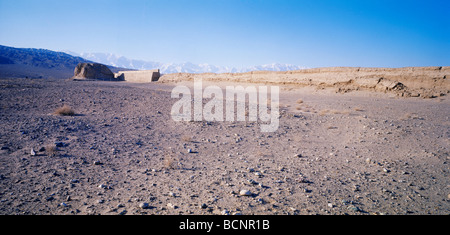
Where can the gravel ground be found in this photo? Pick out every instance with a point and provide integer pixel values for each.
(354, 153)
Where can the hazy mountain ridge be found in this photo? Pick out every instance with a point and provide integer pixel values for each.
(186, 67)
(43, 63)
(39, 63)
(38, 57)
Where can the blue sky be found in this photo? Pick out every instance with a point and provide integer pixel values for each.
(312, 33)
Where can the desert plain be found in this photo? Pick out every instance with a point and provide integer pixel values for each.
(368, 145)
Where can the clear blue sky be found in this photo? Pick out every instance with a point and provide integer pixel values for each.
(376, 33)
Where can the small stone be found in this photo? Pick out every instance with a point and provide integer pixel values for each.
(386, 170)
(260, 201)
(354, 208)
(144, 205)
(5, 147)
(225, 212)
(60, 144)
(330, 205)
(100, 201)
(97, 163)
(245, 193)
(190, 151)
(123, 212)
(172, 194)
(171, 206)
(63, 204)
(250, 181)
(32, 153)
(204, 206)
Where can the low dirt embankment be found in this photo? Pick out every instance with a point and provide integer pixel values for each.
(426, 82)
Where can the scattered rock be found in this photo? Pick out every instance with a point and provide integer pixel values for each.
(123, 212)
(60, 144)
(74, 181)
(354, 208)
(32, 153)
(303, 180)
(171, 206)
(245, 192)
(5, 147)
(144, 205)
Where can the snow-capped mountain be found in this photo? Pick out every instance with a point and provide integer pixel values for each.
(187, 67)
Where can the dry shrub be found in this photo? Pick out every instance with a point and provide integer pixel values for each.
(170, 162)
(186, 138)
(323, 112)
(410, 116)
(51, 150)
(65, 111)
(299, 101)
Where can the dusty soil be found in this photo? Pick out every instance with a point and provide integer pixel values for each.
(355, 153)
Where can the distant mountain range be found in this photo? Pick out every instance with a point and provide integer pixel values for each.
(43, 63)
(38, 63)
(187, 67)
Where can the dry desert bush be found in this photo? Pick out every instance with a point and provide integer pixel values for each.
(65, 111)
(186, 138)
(51, 150)
(332, 111)
(170, 162)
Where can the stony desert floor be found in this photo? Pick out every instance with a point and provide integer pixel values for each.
(362, 153)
